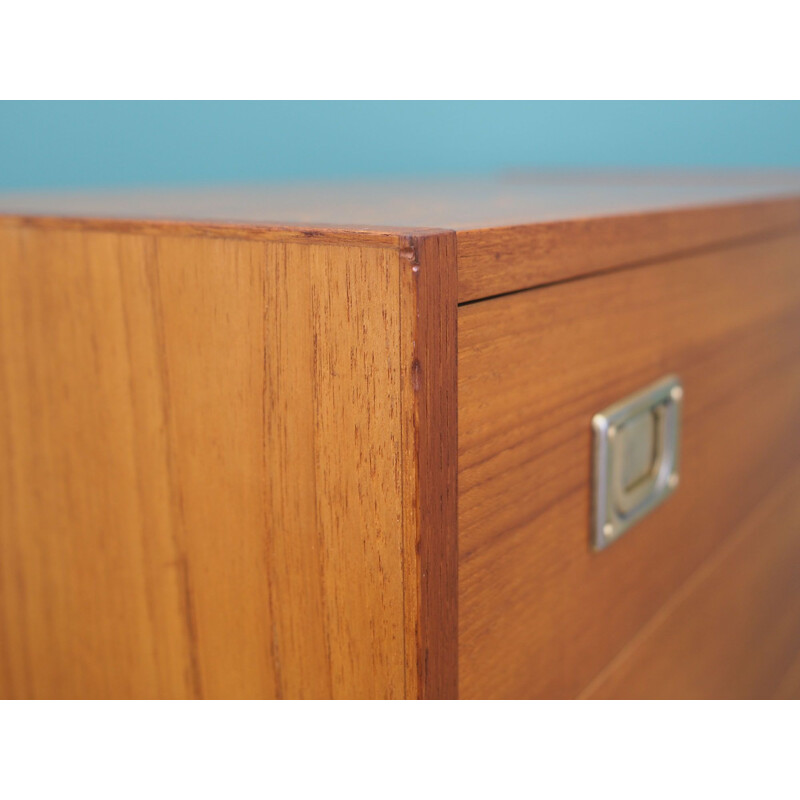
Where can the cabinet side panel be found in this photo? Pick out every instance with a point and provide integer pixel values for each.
(357, 482)
(200, 488)
(93, 589)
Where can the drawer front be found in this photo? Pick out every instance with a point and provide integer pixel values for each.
(701, 597)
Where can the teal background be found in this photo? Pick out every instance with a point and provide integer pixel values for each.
(77, 144)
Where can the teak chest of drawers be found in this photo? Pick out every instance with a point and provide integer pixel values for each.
(337, 441)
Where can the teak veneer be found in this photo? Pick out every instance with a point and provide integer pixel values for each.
(335, 441)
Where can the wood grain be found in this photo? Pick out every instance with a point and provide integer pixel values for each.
(205, 467)
(541, 615)
(733, 630)
(506, 259)
(359, 236)
(430, 438)
(232, 439)
(514, 231)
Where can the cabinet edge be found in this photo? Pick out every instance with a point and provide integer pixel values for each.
(429, 301)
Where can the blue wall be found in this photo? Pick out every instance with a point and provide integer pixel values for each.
(62, 144)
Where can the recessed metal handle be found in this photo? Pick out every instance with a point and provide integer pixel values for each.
(636, 458)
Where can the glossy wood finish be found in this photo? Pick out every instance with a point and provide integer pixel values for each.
(215, 461)
(540, 614)
(514, 231)
(428, 297)
(506, 259)
(733, 630)
(232, 442)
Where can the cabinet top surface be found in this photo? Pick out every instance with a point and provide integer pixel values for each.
(461, 204)
(513, 232)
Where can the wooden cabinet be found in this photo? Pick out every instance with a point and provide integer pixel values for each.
(336, 441)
